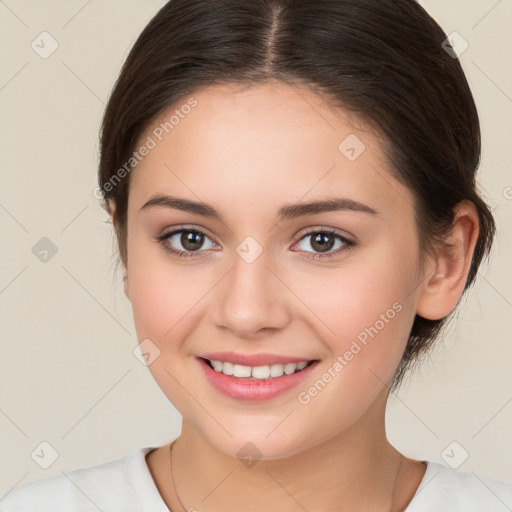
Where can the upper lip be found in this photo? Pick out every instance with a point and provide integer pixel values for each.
(253, 359)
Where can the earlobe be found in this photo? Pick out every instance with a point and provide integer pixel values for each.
(442, 290)
(111, 210)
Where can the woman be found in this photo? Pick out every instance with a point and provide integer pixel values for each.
(292, 187)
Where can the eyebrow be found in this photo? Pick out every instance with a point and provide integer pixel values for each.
(286, 212)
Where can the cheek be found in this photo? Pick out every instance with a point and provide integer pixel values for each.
(353, 296)
(364, 311)
(162, 293)
(369, 320)
(163, 298)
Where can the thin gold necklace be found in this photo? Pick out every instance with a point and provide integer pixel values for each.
(172, 477)
(185, 508)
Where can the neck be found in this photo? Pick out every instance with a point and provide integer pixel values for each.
(355, 470)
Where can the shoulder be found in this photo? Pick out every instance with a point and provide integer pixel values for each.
(100, 487)
(446, 489)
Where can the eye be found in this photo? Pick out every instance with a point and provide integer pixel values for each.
(190, 240)
(323, 241)
(189, 243)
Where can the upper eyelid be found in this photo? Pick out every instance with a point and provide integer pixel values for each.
(310, 231)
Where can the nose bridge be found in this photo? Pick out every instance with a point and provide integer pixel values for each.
(251, 298)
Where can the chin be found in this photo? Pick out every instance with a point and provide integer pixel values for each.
(255, 444)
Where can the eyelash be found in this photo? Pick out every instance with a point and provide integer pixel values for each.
(348, 244)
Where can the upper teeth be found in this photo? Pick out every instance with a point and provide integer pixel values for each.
(257, 372)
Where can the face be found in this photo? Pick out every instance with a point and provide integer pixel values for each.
(263, 280)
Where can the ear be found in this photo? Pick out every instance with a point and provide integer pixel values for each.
(441, 293)
(111, 209)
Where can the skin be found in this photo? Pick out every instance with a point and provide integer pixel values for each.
(247, 152)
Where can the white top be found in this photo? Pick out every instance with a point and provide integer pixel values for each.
(126, 485)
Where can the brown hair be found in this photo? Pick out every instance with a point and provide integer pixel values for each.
(383, 61)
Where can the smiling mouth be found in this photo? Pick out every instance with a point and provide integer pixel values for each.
(264, 372)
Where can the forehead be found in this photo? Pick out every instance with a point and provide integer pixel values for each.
(262, 142)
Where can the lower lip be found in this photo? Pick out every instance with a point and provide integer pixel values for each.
(253, 390)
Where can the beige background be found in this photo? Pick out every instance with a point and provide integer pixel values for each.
(68, 373)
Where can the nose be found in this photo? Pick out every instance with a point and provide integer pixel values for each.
(251, 301)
